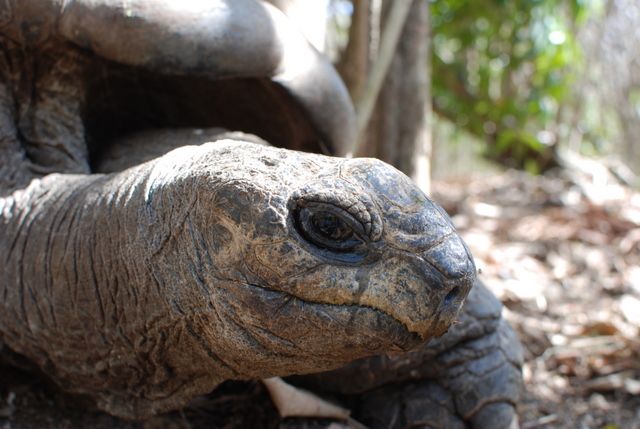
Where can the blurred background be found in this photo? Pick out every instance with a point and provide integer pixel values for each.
(521, 118)
(514, 82)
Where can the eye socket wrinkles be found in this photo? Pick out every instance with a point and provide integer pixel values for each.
(336, 220)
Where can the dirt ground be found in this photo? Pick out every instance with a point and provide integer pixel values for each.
(562, 253)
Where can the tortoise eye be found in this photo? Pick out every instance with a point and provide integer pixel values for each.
(328, 227)
(331, 226)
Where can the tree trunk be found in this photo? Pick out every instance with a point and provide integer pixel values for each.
(630, 122)
(355, 60)
(399, 130)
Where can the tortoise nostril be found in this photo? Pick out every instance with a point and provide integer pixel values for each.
(452, 295)
(451, 258)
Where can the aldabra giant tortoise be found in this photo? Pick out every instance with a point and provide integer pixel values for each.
(155, 281)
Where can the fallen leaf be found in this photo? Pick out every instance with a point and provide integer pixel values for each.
(295, 402)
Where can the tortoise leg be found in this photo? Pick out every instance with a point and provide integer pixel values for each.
(40, 112)
(422, 404)
(479, 390)
(487, 385)
(50, 123)
(12, 156)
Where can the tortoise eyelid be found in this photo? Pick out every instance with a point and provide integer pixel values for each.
(357, 206)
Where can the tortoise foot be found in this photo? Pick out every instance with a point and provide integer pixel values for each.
(479, 390)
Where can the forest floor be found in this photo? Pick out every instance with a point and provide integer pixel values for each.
(562, 252)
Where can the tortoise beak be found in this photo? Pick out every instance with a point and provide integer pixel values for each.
(453, 261)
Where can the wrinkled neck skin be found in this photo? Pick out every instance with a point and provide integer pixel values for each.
(81, 292)
(122, 284)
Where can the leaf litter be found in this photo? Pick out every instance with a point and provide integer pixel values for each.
(562, 252)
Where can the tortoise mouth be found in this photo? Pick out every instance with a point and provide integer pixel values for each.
(360, 327)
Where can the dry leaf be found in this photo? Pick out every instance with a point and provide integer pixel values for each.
(295, 402)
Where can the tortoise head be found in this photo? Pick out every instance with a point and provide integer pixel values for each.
(311, 261)
(244, 260)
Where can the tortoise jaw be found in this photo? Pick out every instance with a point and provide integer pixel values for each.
(357, 329)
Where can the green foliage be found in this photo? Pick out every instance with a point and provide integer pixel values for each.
(501, 69)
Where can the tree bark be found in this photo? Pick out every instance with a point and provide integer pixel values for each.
(355, 60)
(630, 124)
(399, 130)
